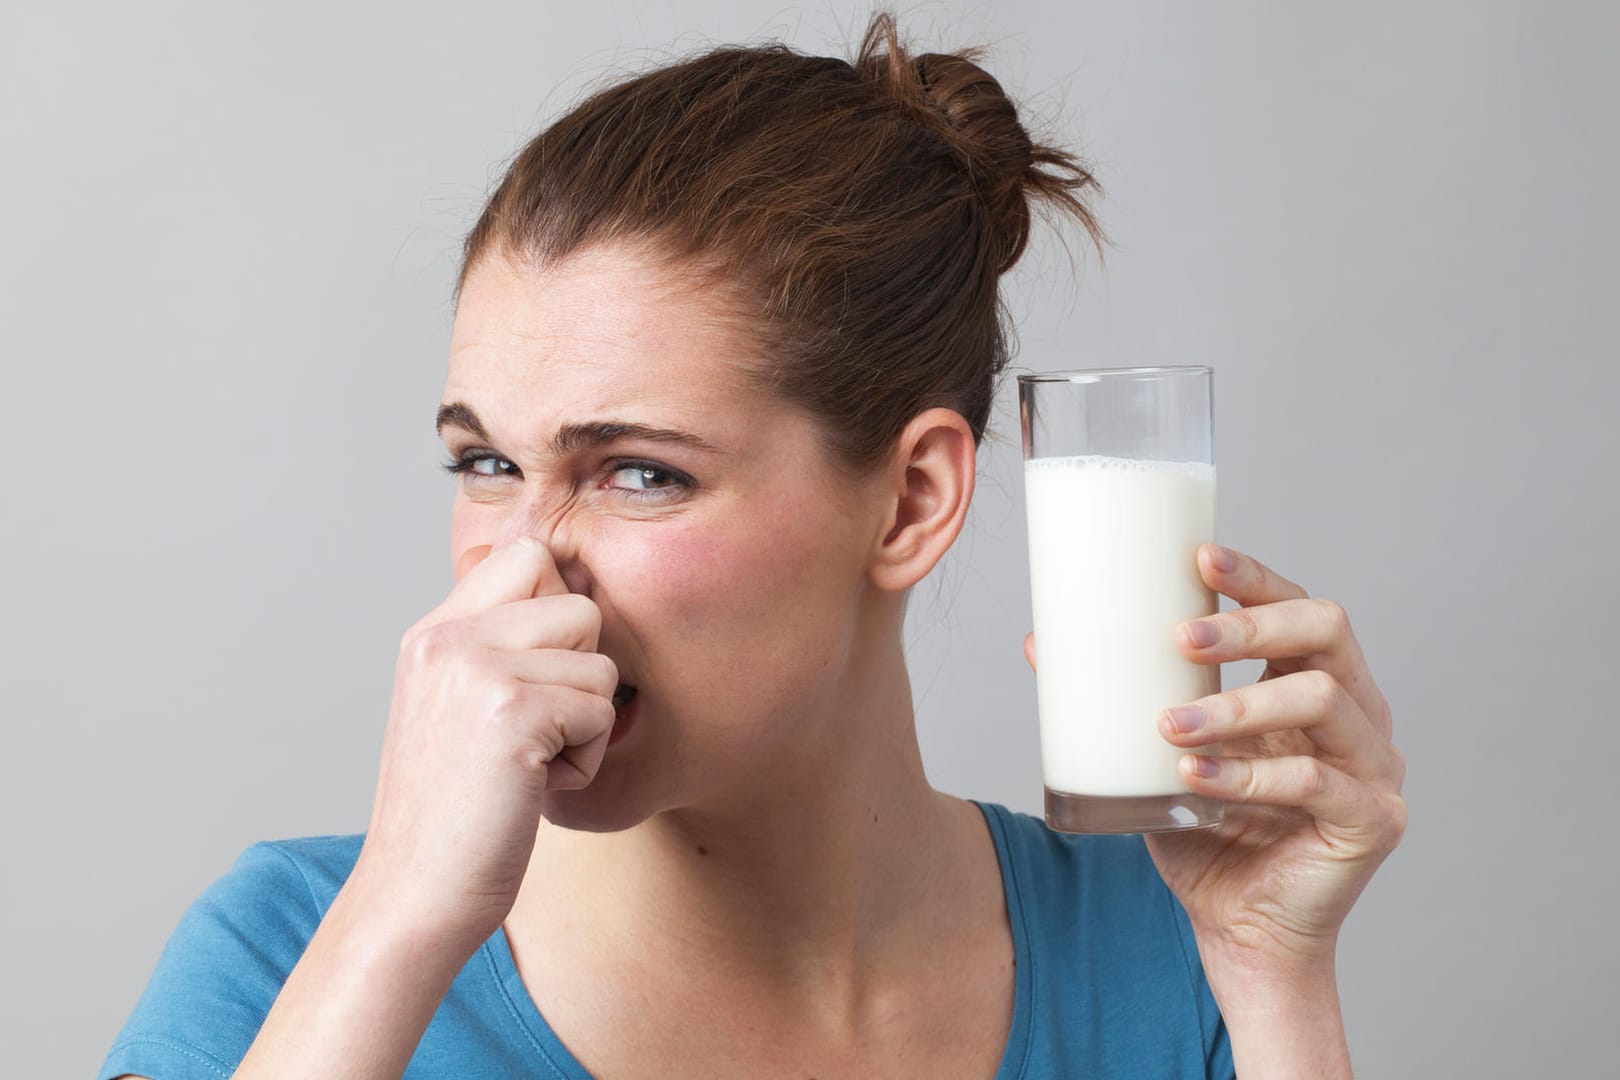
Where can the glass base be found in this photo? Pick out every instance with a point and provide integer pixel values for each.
(1131, 813)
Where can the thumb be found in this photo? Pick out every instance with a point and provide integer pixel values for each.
(1029, 649)
(488, 577)
(471, 558)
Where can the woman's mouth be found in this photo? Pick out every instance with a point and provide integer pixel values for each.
(624, 711)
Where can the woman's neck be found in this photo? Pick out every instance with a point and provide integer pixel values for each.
(817, 885)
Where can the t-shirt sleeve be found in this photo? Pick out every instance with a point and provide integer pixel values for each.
(220, 972)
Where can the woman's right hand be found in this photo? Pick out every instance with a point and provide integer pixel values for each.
(499, 695)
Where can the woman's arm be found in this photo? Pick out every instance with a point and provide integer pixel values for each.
(1280, 1026)
(1312, 782)
(499, 695)
(356, 1004)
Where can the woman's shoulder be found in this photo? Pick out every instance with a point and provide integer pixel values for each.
(1069, 869)
(275, 890)
(1108, 956)
(279, 882)
(224, 964)
(321, 864)
(1083, 895)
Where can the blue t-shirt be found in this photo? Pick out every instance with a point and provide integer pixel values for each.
(1108, 979)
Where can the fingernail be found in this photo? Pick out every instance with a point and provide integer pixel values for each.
(1185, 718)
(1207, 767)
(1201, 634)
(1222, 559)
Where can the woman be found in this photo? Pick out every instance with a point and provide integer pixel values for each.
(651, 802)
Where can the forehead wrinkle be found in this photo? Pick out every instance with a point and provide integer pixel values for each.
(657, 339)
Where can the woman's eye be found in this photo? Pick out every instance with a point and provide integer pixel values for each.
(467, 464)
(635, 479)
(644, 479)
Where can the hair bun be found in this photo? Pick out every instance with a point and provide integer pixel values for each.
(983, 127)
(962, 102)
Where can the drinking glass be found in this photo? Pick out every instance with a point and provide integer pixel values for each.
(1119, 485)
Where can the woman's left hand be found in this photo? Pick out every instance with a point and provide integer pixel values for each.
(1305, 764)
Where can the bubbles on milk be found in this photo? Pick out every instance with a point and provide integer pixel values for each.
(1118, 464)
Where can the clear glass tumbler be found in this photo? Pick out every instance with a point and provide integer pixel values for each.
(1119, 484)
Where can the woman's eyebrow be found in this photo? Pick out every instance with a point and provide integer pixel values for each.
(572, 438)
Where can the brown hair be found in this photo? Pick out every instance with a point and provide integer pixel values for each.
(864, 211)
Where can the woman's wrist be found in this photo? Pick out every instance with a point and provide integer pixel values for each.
(415, 919)
(1281, 1015)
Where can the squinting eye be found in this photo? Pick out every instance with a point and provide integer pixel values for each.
(465, 465)
(647, 480)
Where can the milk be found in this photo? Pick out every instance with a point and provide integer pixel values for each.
(1112, 555)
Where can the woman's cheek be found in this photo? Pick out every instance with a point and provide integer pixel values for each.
(682, 572)
(710, 579)
(713, 611)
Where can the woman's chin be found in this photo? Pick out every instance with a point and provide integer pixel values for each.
(609, 803)
(601, 806)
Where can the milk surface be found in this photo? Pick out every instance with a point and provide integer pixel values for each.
(1112, 552)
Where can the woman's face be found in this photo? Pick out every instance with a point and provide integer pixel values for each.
(728, 560)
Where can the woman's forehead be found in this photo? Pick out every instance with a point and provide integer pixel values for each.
(609, 335)
(609, 312)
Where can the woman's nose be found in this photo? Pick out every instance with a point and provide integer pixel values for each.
(560, 533)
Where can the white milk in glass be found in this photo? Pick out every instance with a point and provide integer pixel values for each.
(1113, 545)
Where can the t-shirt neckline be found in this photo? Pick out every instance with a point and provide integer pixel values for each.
(497, 954)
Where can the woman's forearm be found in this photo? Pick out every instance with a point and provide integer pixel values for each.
(1281, 1025)
(356, 1004)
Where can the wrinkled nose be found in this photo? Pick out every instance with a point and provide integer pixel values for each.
(559, 529)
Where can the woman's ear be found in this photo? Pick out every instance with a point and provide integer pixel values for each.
(930, 483)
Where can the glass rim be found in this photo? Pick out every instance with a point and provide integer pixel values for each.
(1084, 375)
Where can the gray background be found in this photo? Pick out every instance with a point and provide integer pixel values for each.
(229, 241)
